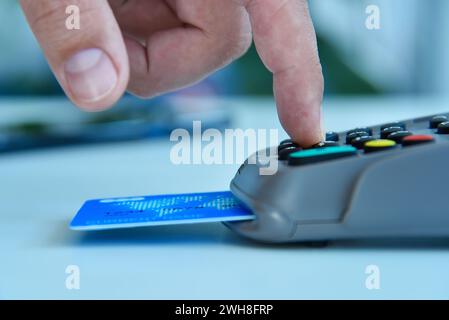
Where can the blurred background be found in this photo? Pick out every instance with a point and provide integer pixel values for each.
(406, 56)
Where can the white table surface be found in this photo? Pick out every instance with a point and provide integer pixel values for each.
(42, 190)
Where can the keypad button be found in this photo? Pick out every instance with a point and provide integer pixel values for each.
(351, 136)
(379, 145)
(332, 136)
(286, 141)
(359, 142)
(324, 144)
(417, 139)
(284, 153)
(394, 124)
(287, 145)
(398, 136)
(369, 131)
(389, 130)
(435, 121)
(320, 154)
(443, 128)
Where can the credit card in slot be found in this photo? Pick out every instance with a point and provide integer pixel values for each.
(156, 210)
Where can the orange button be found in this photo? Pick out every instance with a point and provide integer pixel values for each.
(417, 139)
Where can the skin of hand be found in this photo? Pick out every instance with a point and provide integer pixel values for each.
(150, 47)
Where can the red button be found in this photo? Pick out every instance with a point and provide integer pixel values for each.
(417, 139)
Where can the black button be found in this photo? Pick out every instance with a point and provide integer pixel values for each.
(387, 131)
(287, 145)
(394, 124)
(286, 141)
(351, 136)
(359, 142)
(443, 128)
(398, 136)
(369, 131)
(332, 136)
(324, 144)
(284, 153)
(435, 121)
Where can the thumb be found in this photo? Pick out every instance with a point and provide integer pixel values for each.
(90, 62)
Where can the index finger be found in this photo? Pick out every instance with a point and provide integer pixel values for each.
(285, 40)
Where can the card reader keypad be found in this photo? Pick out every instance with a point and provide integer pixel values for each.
(366, 140)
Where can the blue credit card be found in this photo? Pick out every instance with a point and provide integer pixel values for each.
(159, 210)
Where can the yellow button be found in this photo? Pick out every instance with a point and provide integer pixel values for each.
(380, 143)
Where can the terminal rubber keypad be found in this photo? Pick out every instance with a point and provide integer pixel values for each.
(359, 141)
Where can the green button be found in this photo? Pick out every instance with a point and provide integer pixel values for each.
(320, 154)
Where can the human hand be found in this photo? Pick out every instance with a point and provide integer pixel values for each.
(149, 47)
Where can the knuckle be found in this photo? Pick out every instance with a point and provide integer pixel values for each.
(232, 47)
(239, 45)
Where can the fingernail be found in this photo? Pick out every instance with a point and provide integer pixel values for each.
(90, 75)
